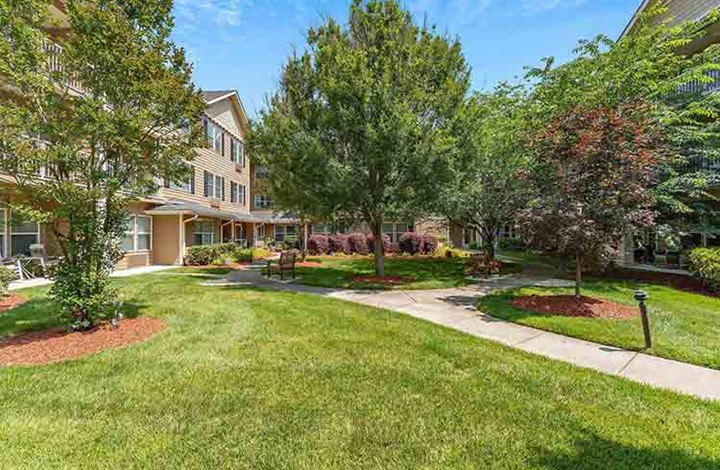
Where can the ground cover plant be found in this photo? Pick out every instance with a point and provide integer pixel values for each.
(242, 378)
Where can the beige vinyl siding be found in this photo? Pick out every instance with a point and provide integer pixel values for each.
(207, 159)
(223, 113)
(166, 234)
(687, 10)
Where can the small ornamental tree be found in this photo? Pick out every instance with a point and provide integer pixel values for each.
(77, 160)
(360, 126)
(592, 178)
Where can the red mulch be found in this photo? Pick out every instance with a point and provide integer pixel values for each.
(309, 264)
(55, 345)
(385, 280)
(11, 301)
(570, 306)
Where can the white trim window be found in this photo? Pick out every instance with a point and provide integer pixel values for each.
(23, 234)
(237, 152)
(240, 234)
(203, 232)
(284, 231)
(214, 186)
(395, 231)
(214, 136)
(138, 234)
(263, 202)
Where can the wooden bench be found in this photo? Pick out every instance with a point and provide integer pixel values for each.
(482, 264)
(286, 264)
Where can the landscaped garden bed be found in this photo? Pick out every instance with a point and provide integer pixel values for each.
(10, 301)
(57, 344)
(685, 326)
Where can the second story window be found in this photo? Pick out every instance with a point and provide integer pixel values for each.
(187, 185)
(237, 152)
(261, 172)
(214, 136)
(237, 193)
(263, 202)
(214, 186)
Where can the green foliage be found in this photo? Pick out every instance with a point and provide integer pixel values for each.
(490, 185)
(7, 275)
(248, 255)
(103, 149)
(360, 126)
(205, 255)
(705, 264)
(511, 244)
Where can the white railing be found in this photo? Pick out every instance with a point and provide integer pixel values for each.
(699, 86)
(54, 53)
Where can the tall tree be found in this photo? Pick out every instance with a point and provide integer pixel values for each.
(79, 159)
(592, 178)
(490, 187)
(360, 127)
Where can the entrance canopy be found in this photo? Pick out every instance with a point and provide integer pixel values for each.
(188, 208)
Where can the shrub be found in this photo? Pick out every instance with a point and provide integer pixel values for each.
(6, 277)
(705, 264)
(244, 255)
(511, 244)
(338, 243)
(357, 242)
(205, 255)
(318, 245)
(260, 253)
(395, 248)
(474, 246)
(429, 244)
(410, 243)
(371, 243)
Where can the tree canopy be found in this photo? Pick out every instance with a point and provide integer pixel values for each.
(360, 127)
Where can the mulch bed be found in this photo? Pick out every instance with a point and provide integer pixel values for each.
(10, 301)
(385, 280)
(570, 306)
(56, 345)
(309, 264)
(676, 281)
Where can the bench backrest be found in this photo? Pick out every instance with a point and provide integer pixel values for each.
(287, 259)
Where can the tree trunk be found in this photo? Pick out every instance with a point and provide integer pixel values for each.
(490, 244)
(578, 274)
(379, 251)
(305, 242)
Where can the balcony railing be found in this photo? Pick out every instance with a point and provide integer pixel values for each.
(700, 164)
(699, 86)
(54, 54)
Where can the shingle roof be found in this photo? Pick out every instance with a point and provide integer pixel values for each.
(209, 96)
(175, 207)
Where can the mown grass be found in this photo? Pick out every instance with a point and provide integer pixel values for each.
(427, 273)
(245, 378)
(685, 326)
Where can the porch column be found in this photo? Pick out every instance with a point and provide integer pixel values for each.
(181, 239)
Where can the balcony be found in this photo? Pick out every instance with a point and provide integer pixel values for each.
(708, 164)
(54, 53)
(697, 86)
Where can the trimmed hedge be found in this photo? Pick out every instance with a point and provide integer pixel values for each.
(358, 243)
(705, 264)
(338, 243)
(511, 244)
(318, 245)
(387, 245)
(205, 255)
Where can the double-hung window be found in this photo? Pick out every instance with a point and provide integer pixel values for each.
(214, 186)
(237, 193)
(23, 234)
(203, 232)
(237, 152)
(214, 136)
(395, 231)
(187, 185)
(282, 232)
(262, 201)
(138, 234)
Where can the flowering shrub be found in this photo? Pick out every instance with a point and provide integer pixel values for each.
(318, 245)
(6, 277)
(429, 244)
(371, 243)
(410, 243)
(358, 243)
(207, 254)
(338, 243)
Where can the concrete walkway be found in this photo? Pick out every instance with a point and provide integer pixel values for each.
(41, 281)
(455, 308)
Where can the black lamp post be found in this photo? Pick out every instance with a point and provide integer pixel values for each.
(641, 296)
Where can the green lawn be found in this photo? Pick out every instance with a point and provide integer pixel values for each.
(685, 326)
(245, 378)
(428, 273)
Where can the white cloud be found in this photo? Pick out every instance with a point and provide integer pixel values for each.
(468, 11)
(533, 6)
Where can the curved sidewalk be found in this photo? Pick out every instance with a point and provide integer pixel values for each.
(455, 308)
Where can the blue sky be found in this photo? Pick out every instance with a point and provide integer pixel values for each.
(242, 44)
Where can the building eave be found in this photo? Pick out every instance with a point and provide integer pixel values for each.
(635, 18)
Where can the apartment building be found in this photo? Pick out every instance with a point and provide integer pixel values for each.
(220, 202)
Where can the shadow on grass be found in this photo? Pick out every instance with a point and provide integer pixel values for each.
(592, 451)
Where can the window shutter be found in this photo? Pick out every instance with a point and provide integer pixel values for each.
(207, 186)
(192, 180)
(223, 188)
(232, 149)
(222, 143)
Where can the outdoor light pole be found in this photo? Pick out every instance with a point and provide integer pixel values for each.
(641, 296)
